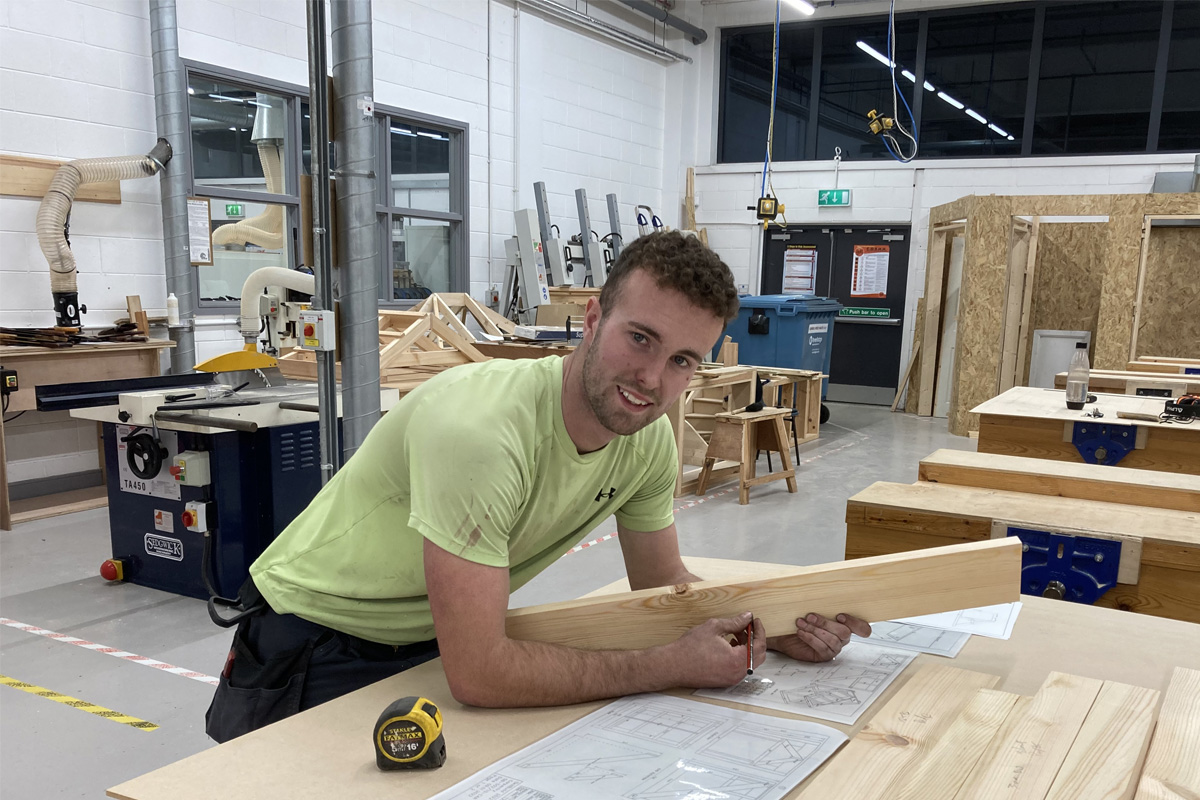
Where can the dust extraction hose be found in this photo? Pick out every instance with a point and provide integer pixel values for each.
(55, 210)
(265, 230)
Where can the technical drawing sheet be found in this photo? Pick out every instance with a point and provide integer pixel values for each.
(995, 622)
(910, 636)
(839, 690)
(659, 747)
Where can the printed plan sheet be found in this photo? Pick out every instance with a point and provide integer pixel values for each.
(838, 690)
(995, 622)
(652, 747)
(910, 636)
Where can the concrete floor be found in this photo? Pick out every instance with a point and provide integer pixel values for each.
(49, 579)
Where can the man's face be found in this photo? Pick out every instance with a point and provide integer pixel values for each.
(643, 352)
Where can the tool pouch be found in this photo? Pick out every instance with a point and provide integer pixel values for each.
(253, 693)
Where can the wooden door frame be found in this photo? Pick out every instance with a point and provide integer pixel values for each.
(1147, 226)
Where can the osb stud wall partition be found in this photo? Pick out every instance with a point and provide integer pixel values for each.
(985, 263)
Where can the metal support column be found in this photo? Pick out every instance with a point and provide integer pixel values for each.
(318, 69)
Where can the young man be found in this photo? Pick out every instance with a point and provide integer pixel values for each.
(475, 483)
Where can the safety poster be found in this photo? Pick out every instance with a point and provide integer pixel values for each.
(799, 269)
(870, 270)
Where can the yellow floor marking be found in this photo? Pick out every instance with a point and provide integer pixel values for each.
(82, 705)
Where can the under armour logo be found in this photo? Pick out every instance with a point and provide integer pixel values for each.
(609, 494)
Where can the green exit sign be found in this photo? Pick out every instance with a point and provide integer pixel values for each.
(852, 311)
(235, 210)
(833, 197)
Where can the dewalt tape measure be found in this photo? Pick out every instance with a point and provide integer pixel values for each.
(408, 735)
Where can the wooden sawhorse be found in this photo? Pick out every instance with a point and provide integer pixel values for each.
(738, 436)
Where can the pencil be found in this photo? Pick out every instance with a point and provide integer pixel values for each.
(750, 647)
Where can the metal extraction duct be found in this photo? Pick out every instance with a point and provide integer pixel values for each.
(358, 271)
(171, 114)
(699, 35)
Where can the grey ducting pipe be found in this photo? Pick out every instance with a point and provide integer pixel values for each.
(358, 270)
(171, 116)
(56, 209)
(699, 35)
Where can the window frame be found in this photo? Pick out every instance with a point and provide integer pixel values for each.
(292, 95)
(459, 216)
(923, 17)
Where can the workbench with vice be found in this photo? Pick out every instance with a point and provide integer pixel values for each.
(325, 752)
(1115, 537)
(39, 366)
(1027, 421)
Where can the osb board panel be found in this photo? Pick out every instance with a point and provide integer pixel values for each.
(1169, 323)
(1078, 205)
(954, 210)
(1124, 252)
(1067, 279)
(914, 382)
(981, 306)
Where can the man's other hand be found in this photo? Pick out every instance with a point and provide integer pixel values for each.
(705, 658)
(817, 638)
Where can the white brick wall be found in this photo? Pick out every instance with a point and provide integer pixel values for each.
(76, 82)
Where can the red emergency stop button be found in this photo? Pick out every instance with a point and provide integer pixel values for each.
(189, 518)
(309, 330)
(113, 570)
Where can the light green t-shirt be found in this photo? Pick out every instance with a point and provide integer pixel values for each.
(477, 460)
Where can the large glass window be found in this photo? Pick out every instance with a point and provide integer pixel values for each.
(1180, 126)
(747, 107)
(1096, 82)
(976, 75)
(1041, 77)
(855, 79)
(244, 164)
(423, 206)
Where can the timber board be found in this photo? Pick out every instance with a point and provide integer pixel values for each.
(1172, 770)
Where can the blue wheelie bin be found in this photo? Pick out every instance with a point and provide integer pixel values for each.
(786, 330)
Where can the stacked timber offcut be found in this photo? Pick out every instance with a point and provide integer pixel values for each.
(948, 734)
(966, 497)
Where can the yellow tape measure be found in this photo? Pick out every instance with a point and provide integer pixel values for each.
(409, 735)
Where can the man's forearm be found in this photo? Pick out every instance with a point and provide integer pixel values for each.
(519, 674)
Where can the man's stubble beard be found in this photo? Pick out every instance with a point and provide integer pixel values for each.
(602, 403)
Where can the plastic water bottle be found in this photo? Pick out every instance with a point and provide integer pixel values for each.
(172, 310)
(1077, 377)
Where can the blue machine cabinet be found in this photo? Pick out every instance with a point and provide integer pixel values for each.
(259, 482)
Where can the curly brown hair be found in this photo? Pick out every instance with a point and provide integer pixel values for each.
(678, 262)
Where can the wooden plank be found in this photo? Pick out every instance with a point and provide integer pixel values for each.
(1024, 758)
(908, 584)
(1026, 329)
(939, 775)
(1172, 770)
(1141, 287)
(1160, 367)
(1192, 362)
(907, 373)
(1124, 382)
(24, 176)
(935, 278)
(52, 505)
(1014, 295)
(448, 334)
(1135, 487)
(904, 731)
(1106, 757)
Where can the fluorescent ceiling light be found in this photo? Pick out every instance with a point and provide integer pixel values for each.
(191, 90)
(1011, 139)
(929, 87)
(232, 128)
(429, 135)
(998, 130)
(803, 6)
(951, 100)
(976, 115)
(403, 131)
(224, 98)
(908, 75)
(875, 54)
(260, 105)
